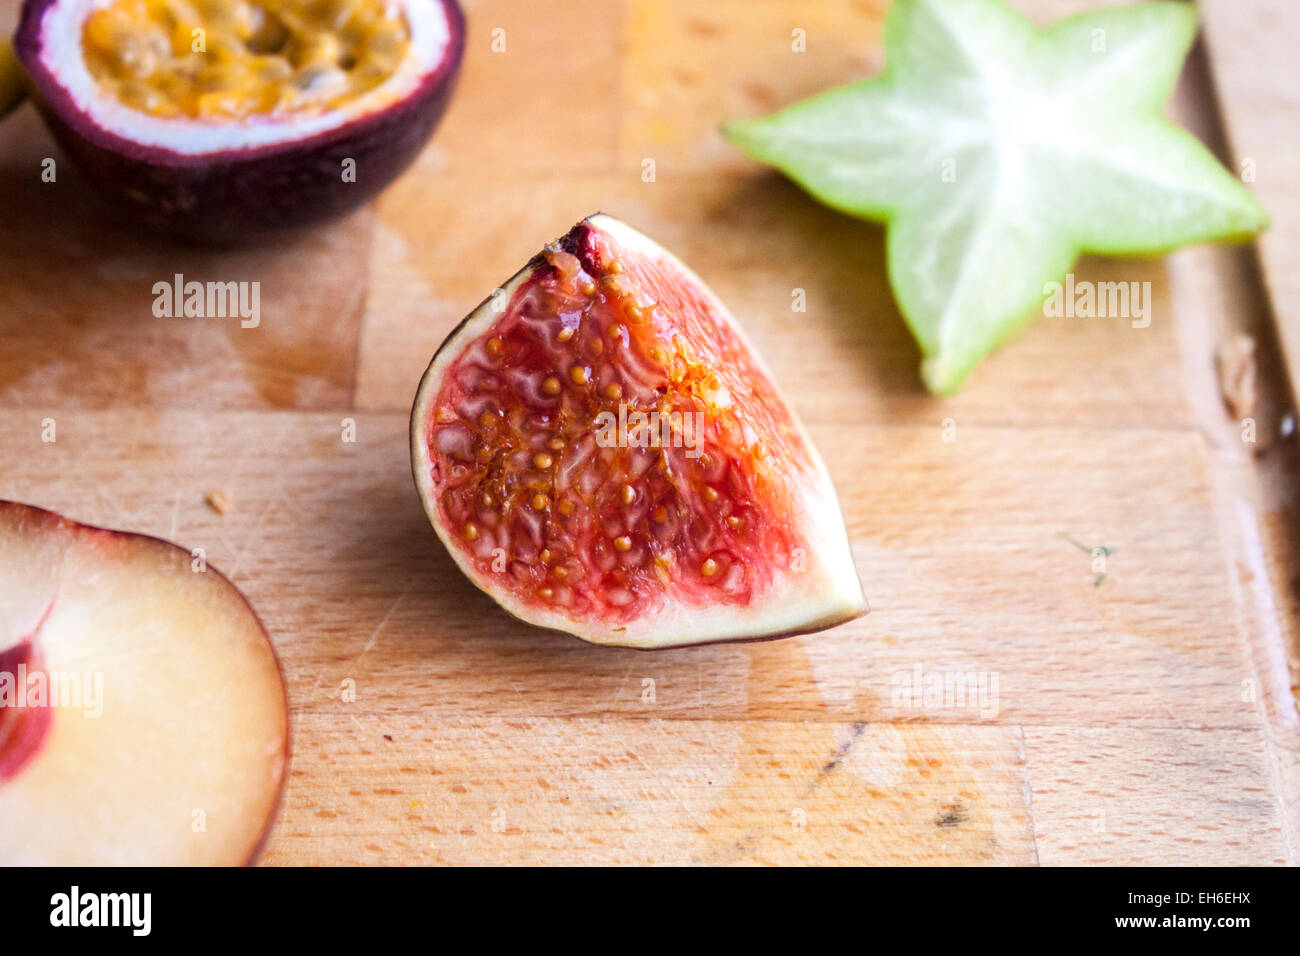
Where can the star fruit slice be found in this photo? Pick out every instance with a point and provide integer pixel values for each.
(997, 152)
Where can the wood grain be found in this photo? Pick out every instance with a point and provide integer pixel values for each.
(1126, 797)
(1145, 718)
(1252, 53)
(425, 789)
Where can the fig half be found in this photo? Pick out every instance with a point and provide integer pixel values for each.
(602, 451)
(224, 120)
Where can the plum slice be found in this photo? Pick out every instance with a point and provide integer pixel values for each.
(602, 451)
(143, 718)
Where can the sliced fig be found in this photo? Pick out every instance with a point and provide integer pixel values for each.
(143, 718)
(602, 451)
(224, 120)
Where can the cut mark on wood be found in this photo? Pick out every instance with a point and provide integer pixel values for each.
(843, 749)
(953, 814)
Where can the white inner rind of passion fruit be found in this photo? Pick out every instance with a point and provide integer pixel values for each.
(63, 54)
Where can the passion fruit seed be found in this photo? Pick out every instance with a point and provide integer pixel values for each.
(709, 568)
(540, 502)
(551, 386)
(580, 374)
(564, 334)
(613, 391)
(542, 461)
(281, 57)
(709, 493)
(628, 494)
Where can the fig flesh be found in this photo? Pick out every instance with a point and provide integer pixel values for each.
(602, 451)
(229, 120)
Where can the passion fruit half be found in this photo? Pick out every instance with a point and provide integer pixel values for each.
(223, 120)
(602, 451)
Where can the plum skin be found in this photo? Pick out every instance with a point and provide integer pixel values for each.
(242, 195)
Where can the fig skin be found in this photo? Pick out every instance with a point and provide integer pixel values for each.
(237, 196)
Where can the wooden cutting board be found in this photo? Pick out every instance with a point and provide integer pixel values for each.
(1149, 717)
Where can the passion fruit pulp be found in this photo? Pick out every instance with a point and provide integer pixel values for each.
(287, 57)
(602, 451)
(224, 120)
